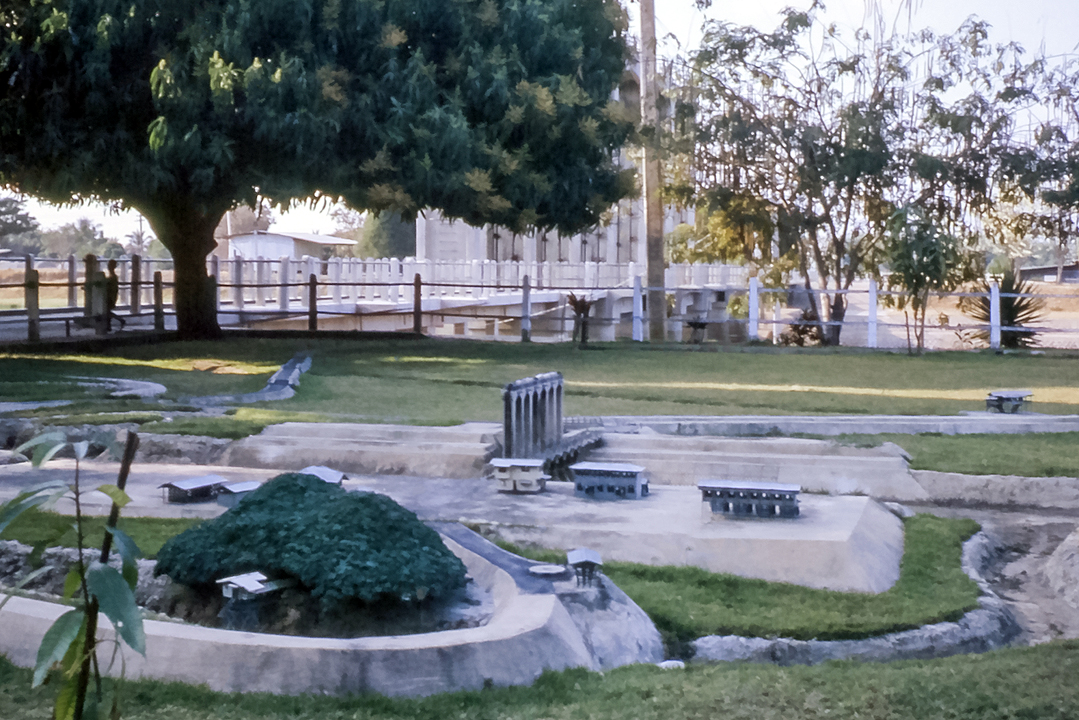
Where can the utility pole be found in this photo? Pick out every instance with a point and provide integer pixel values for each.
(653, 207)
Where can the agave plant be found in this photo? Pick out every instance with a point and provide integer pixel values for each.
(1017, 310)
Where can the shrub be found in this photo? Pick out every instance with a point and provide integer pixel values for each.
(339, 545)
(1014, 311)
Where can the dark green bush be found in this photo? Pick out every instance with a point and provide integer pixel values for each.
(338, 544)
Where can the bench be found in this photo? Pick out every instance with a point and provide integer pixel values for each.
(745, 498)
(1008, 401)
(609, 481)
(520, 475)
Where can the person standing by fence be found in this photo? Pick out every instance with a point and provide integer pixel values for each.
(112, 294)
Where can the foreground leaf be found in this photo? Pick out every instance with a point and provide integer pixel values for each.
(115, 494)
(56, 642)
(117, 601)
(129, 553)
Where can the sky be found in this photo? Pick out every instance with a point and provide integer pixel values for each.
(1049, 25)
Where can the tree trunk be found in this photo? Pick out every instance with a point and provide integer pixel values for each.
(838, 312)
(189, 237)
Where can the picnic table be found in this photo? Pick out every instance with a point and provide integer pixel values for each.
(1008, 401)
(747, 498)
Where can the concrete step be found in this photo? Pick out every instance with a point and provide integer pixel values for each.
(652, 441)
(815, 465)
(452, 452)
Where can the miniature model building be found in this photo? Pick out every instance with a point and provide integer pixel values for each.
(745, 498)
(520, 475)
(584, 562)
(195, 489)
(230, 495)
(609, 481)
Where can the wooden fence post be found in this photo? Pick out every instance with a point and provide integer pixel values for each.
(33, 313)
(91, 269)
(159, 302)
(417, 305)
(72, 283)
(312, 302)
(136, 285)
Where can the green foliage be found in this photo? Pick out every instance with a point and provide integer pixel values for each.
(922, 260)
(18, 230)
(492, 113)
(1015, 312)
(70, 644)
(340, 545)
(386, 235)
(688, 602)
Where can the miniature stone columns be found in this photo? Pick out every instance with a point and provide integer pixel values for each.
(532, 415)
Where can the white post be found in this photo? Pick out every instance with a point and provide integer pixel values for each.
(775, 321)
(752, 329)
(238, 282)
(335, 277)
(282, 281)
(871, 330)
(526, 311)
(994, 315)
(638, 310)
(394, 270)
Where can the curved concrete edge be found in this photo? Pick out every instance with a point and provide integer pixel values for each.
(281, 386)
(527, 635)
(1004, 490)
(986, 628)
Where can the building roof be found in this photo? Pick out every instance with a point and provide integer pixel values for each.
(241, 487)
(305, 237)
(195, 483)
(325, 473)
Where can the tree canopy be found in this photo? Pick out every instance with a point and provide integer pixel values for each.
(490, 110)
(806, 141)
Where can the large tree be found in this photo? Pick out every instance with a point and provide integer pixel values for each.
(490, 110)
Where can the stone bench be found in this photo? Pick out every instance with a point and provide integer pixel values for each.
(745, 498)
(1008, 401)
(520, 475)
(609, 481)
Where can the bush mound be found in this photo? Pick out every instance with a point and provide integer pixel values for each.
(339, 545)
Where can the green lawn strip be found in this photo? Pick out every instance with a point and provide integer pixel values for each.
(1036, 683)
(687, 602)
(38, 528)
(233, 425)
(394, 380)
(1029, 454)
(106, 418)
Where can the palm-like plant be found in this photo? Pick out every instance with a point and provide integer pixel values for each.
(1017, 310)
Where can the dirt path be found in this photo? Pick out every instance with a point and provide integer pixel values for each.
(1025, 539)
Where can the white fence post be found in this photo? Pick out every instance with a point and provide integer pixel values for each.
(526, 311)
(994, 315)
(238, 282)
(871, 328)
(282, 282)
(638, 310)
(752, 330)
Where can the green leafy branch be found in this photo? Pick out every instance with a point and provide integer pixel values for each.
(70, 644)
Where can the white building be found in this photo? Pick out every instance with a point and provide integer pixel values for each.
(268, 244)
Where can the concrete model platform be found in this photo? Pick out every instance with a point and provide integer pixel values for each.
(458, 451)
(840, 543)
(814, 465)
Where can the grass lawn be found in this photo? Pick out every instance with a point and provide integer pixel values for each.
(395, 381)
(35, 528)
(1032, 454)
(687, 602)
(1028, 683)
